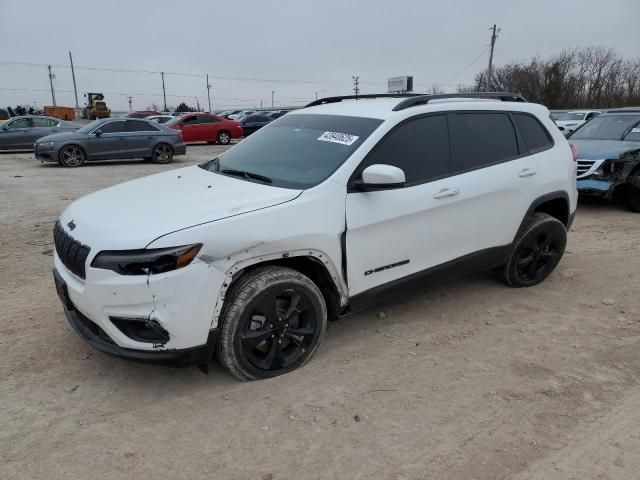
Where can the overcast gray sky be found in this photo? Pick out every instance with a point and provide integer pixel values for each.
(293, 47)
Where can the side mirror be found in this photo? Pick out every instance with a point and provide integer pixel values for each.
(378, 177)
(98, 133)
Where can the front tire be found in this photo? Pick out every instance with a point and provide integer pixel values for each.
(273, 321)
(162, 153)
(223, 138)
(633, 198)
(72, 156)
(537, 251)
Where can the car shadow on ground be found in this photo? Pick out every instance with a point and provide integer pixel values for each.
(111, 163)
(430, 294)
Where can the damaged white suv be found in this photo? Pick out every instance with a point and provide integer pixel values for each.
(248, 255)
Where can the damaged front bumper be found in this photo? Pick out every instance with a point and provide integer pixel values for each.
(600, 187)
(98, 339)
(164, 318)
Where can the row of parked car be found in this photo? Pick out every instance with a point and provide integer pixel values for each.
(570, 120)
(143, 134)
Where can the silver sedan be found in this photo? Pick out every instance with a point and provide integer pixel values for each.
(112, 138)
(20, 133)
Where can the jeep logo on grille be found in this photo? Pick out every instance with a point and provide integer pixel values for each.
(71, 225)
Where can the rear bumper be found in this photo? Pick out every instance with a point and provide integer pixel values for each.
(180, 149)
(98, 339)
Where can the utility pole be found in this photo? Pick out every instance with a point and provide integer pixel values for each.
(164, 93)
(494, 35)
(130, 102)
(53, 93)
(356, 88)
(209, 92)
(73, 75)
(272, 93)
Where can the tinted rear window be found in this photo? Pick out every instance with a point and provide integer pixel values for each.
(480, 139)
(535, 135)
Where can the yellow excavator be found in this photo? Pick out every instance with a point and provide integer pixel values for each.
(96, 107)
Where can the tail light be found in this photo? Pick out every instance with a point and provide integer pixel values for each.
(574, 152)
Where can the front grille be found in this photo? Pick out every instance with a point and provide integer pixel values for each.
(584, 166)
(70, 251)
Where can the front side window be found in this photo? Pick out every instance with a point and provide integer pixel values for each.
(299, 151)
(20, 123)
(606, 127)
(113, 127)
(481, 139)
(419, 147)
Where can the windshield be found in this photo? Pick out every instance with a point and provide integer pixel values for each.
(89, 126)
(296, 151)
(173, 121)
(575, 116)
(606, 127)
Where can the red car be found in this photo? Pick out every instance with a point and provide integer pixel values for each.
(205, 127)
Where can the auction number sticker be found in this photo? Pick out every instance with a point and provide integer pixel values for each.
(635, 130)
(337, 137)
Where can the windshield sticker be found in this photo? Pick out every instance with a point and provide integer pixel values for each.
(337, 137)
(635, 130)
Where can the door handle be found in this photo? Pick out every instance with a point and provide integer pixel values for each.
(527, 172)
(446, 192)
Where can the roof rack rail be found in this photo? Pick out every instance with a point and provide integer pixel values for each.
(424, 99)
(324, 101)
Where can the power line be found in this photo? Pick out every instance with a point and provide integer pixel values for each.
(182, 74)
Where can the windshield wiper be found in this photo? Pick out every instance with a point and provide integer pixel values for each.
(245, 174)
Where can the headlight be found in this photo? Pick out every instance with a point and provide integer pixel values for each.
(146, 261)
(45, 144)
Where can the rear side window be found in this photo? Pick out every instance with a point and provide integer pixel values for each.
(113, 127)
(420, 147)
(207, 119)
(140, 126)
(535, 135)
(43, 122)
(481, 139)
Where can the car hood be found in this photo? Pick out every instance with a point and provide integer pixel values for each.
(133, 214)
(62, 137)
(604, 149)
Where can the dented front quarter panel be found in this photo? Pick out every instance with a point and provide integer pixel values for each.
(310, 225)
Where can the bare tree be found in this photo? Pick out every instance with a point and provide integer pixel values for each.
(595, 77)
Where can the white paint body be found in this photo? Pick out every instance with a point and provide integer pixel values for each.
(242, 223)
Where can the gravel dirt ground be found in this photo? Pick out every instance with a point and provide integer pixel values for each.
(465, 379)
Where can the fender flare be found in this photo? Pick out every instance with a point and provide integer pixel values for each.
(240, 265)
(559, 194)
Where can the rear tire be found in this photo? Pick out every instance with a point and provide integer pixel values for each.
(223, 138)
(536, 252)
(272, 322)
(162, 153)
(72, 156)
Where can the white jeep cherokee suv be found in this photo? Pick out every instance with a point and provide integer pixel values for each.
(249, 254)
